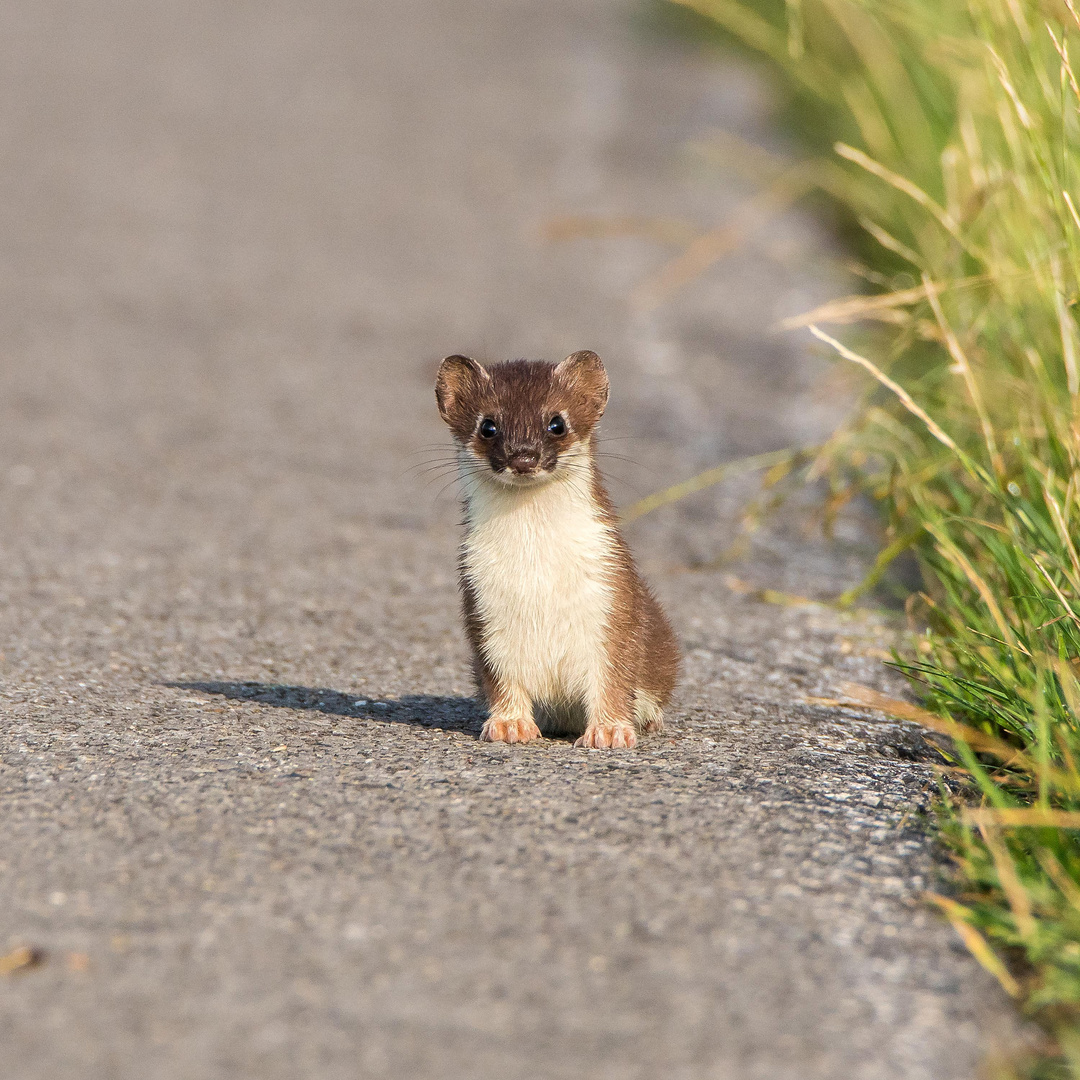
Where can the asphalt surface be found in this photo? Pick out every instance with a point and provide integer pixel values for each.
(246, 817)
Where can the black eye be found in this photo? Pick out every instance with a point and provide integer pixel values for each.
(488, 428)
(556, 426)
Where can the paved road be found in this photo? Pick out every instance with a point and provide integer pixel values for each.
(245, 811)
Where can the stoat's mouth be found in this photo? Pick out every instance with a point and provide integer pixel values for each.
(522, 480)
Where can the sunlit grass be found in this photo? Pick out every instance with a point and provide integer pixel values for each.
(949, 133)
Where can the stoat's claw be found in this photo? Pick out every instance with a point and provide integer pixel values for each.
(608, 736)
(511, 731)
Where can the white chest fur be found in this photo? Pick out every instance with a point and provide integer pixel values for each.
(539, 560)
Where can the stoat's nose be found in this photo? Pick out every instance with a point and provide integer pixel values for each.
(523, 461)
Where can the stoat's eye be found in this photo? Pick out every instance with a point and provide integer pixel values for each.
(488, 428)
(556, 426)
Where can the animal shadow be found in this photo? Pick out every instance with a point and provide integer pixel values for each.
(420, 710)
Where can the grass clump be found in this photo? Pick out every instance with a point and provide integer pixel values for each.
(948, 135)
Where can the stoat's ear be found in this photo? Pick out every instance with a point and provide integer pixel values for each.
(459, 378)
(584, 376)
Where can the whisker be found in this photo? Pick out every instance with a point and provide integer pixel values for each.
(429, 446)
(436, 457)
(432, 461)
(607, 455)
(419, 470)
(428, 474)
(448, 484)
(442, 491)
(438, 479)
(639, 492)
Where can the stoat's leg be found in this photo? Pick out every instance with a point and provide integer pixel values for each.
(510, 711)
(511, 714)
(610, 720)
(647, 712)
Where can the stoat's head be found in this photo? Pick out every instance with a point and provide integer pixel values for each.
(525, 421)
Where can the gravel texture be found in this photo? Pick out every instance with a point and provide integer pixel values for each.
(246, 818)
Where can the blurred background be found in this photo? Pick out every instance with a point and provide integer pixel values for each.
(236, 240)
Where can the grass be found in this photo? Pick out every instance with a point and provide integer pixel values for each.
(945, 138)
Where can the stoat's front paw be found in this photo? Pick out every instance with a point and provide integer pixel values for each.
(608, 736)
(499, 729)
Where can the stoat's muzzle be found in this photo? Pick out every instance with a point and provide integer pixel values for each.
(523, 461)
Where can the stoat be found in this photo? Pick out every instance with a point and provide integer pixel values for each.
(566, 637)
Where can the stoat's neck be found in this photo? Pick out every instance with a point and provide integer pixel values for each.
(568, 492)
